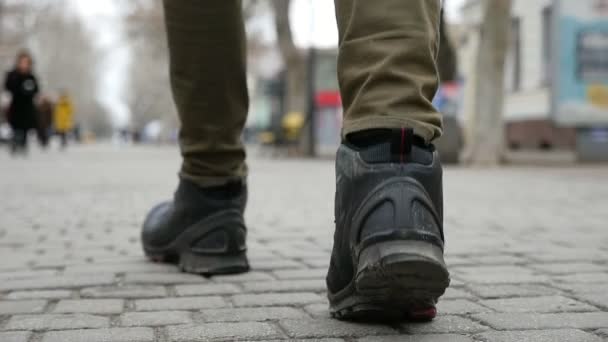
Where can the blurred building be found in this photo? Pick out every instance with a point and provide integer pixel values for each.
(529, 74)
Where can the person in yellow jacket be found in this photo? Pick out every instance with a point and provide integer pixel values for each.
(63, 117)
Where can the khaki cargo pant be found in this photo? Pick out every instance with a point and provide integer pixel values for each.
(386, 69)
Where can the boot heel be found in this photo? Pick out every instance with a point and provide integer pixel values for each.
(402, 268)
(396, 280)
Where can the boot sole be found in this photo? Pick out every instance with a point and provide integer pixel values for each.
(395, 280)
(206, 265)
(180, 253)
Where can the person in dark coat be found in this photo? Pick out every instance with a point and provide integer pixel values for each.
(23, 87)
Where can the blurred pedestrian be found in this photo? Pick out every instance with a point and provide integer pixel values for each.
(23, 87)
(63, 119)
(387, 259)
(45, 120)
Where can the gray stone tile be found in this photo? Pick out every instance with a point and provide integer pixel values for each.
(418, 338)
(445, 325)
(93, 306)
(317, 285)
(308, 273)
(19, 336)
(537, 304)
(520, 321)
(56, 322)
(453, 293)
(583, 278)
(182, 303)
(320, 328)
(57, 282)
(206, 289)
(133, 291)
(101, 335)
(251, 314)
(42, 294)
(156, 318)
(570, 335)
(569, 268)
(512, 290)
(222, 331)
(318, 310)
(598, 299)
(22, 307)
(163, 278)
(277, 299)
(239, 278)
(459, 307)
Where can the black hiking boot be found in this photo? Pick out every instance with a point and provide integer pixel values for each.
(387, 261)
(202, 229)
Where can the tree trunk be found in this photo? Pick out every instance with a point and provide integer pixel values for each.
(446, 60)
(487, 139)
(295, 66)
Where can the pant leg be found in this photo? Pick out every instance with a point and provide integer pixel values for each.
(208, 79)
(64, 139)
(387, 64)
(17, 140)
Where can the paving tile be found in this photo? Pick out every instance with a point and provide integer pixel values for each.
(42, 294)
(251, 314)
(93, 306)
(445, 324)
(583, 278)
(568, 268)
(222, 331)
(512, 290)
(132, 291)
(157, 318)
(537, 304)
(19, 336)
(598, 299)
(520, 321)
(453, 293)
(163, 278)
(182, 303)
(418, 338)
(239, 278)
(56, 322)
(206, 289)
(318, 310)
(57, 282)
(274, 264)
(460, 307)
(312, 273)
(122, 268)
(22, 307)
(320, 328)
(101, 335)
(570, 335)
(583, 287)
(317, 285)
(277, 299)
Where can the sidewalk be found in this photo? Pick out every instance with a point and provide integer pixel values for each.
(527, 249)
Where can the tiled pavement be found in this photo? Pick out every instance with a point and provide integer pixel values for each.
(528, 250)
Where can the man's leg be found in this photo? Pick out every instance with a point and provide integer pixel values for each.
(387, 65)
(208, 78)
(388, 245)
(202, 229)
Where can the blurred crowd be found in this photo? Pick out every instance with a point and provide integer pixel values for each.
(29, 110)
